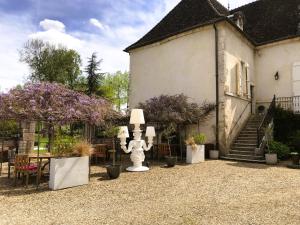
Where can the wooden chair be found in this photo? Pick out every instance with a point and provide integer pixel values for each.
(23, 166)
(100, 151)
(11, 160)
(162, 150)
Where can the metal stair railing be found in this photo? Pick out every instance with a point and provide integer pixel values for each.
(267, 119)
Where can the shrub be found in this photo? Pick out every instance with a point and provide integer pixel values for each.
(200, 139)
(295, 142)
(286, 123)
(63, 146)
(8, 128)
(280, 149)
(197, 139)
(82, 148)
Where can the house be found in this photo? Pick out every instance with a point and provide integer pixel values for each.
(239, 59)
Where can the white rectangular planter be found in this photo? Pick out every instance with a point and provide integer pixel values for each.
(68, 172)
(195, 156)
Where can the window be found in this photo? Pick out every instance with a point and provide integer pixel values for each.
(242, 80)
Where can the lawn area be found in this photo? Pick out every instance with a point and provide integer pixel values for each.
(214, 192)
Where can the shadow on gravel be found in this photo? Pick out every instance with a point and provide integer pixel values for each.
(249, 165)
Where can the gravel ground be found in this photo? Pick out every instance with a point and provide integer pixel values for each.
(214, 192)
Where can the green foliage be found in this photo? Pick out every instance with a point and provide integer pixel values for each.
(111, 131)
(200, 138)
(94, 78)
(51, 63)
(8, 128)
(280, 149)
(295, 141)
(63, 146)
(115, 88)
(286, 123)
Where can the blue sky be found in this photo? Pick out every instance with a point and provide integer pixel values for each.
(102, 26)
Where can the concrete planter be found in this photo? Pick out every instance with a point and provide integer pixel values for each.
(271, 159)
(214, 154)
(196, 155)
(68, 172)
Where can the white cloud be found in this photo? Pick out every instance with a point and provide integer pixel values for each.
(109, 43)
(47, 24)
(57, 37)
(98, 24)
(14, 30)
(113, 56)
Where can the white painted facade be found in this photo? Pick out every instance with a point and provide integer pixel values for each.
(185, 63)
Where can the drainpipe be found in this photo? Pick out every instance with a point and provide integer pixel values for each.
(217, 83)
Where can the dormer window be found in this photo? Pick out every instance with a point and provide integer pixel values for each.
(240, 23)
(239, 19)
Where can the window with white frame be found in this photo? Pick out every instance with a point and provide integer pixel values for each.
(242, 79)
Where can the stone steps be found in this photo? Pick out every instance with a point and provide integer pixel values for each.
(243, 148)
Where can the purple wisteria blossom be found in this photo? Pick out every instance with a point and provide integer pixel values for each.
(53, 103)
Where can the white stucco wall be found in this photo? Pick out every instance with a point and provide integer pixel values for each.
(277, 57)
(235, 110)
(186, 64)
(182, 64)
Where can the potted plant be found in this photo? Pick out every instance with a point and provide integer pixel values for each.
(276, 150)
(214, 154)
(113, 170)
(70, 167)
(195, 148)
(271, 156)
(296, 146)
(170, 160)
(295, 158)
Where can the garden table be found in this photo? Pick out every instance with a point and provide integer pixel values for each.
(39, 159)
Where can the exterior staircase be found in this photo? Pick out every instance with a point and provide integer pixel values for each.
(243, 148)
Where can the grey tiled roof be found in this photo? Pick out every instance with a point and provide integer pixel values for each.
(265, 20)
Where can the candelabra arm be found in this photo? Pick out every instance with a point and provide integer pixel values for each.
(150, 144)
(130, 146)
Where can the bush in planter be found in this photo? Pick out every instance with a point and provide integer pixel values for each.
(71, 167)
(63, 146)
(82, 148)
(114, 170)
(278, 148)
(196, 139)
(167, 132)
(195, 148)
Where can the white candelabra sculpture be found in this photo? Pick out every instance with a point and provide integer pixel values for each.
(137, 146)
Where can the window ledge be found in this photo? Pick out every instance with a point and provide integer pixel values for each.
(237, 96)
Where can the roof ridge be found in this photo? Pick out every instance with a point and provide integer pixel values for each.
(250, 3)
(214, 8)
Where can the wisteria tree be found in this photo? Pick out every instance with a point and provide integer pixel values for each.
(172, 111)
(53, 104)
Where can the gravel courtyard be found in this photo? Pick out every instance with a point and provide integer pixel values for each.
(214, 192)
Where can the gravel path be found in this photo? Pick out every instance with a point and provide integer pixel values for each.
(214, 192)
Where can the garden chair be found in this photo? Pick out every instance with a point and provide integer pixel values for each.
(24, 167)
(162, 150)
(100, 151)
(11, 160)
